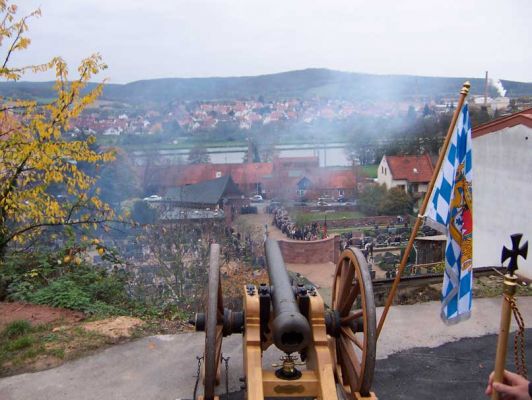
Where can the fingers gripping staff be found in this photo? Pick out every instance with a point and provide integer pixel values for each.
(508, 305)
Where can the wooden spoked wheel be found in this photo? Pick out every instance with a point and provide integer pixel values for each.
(354, 343)
(213, 326)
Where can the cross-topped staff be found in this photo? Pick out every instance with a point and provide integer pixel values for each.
(510, 284)
(514, 254)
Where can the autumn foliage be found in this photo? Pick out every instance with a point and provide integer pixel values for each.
(43, 178)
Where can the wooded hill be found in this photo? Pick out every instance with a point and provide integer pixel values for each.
(293, 84)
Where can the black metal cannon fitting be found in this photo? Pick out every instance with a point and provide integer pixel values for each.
(250, 289)
(332, 323)
(199, 322)
(264, 289)
(290, 329)
(233, 322)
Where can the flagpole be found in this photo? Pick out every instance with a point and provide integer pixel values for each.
(510, 285)
(508, 305)
(463, 94)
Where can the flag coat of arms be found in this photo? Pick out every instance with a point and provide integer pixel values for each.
(451, 207)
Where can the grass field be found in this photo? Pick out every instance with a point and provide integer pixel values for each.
(303, 218)
(339, 231)
(370, 170)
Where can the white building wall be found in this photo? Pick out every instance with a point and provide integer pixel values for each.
(502, 194)
(423, 187)
(403, 183)
(384, 175)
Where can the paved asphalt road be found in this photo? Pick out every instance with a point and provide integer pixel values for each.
(418, 358)
(456, 371)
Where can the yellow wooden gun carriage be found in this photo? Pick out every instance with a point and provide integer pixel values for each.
(329, 353)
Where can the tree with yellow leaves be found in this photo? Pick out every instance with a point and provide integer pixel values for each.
(41, 182)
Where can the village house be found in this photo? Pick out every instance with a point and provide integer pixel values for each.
(281, 179)
(410, 173)
(215, 198)
(301, 178)
(249, 177)
(214, 193)
(332, 183)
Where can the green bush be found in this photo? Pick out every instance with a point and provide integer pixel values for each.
(62, 293)
(396, 202)
(16, 329)
(67, 293)
(101, 308)
(23, 273)
(45, 277)
(99, 284)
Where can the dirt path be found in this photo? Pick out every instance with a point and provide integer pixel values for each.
(259, 221)
(36, 314)
(320, 274)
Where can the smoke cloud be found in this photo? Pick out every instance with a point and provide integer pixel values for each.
(497, 84)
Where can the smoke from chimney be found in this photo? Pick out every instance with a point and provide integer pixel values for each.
(497, 84)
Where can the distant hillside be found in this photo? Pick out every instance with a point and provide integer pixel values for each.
(304, 83)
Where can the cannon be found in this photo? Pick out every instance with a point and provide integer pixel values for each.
(290, 329)
(336, 345)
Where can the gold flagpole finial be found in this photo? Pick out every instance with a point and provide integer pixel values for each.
(465, 87)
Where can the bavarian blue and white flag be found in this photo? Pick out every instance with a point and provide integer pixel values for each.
(451, 206)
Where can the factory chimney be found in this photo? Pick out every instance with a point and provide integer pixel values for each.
(486, 84)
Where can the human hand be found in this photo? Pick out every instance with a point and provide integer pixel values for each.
(513, 387)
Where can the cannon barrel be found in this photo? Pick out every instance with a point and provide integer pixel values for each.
(290, 329)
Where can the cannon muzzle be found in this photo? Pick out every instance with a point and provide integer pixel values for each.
(290, 329)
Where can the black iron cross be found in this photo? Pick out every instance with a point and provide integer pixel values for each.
(514, 253)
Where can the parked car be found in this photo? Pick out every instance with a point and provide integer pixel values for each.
(257, 198)
(153, 197)
(322, 203)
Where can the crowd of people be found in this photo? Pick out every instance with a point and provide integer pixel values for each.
(282, 220)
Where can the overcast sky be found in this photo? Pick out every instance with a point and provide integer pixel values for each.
(142, 39)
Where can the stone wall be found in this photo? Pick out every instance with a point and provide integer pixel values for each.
(310, 252)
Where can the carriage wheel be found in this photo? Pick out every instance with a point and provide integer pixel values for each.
(355, 337)
(213, 325)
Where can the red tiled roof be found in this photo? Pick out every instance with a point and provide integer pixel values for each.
(411, 168)
(190, 174)
(333, 179)
(250, 173)
(521, 118)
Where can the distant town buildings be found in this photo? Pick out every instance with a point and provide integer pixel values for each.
(243, 114)
(202, 116)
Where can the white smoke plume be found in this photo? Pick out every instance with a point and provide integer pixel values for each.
(497, 84)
